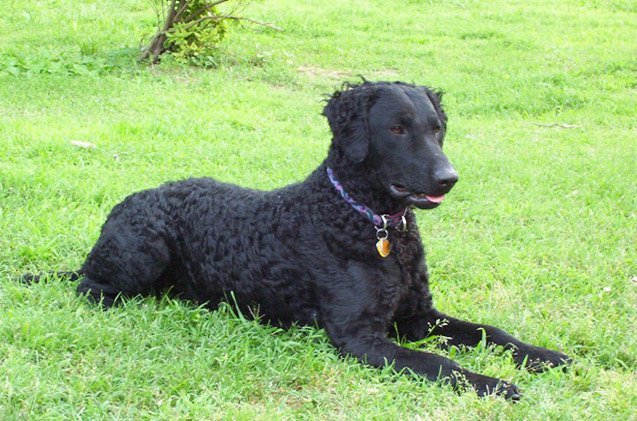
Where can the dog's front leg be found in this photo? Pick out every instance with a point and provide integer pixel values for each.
(357, 330)
(377, 350)
(422, 319)
(460, 332)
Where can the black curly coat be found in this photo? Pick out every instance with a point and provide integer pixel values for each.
(302, 254)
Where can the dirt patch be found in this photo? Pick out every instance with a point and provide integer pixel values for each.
(385, 74)
(317, 72)
(314, 71)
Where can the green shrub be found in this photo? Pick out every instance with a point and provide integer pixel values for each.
(189, 30)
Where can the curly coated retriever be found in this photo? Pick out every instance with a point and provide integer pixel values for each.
(340, 250)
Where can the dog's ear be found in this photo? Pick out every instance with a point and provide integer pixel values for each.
(347, 111)
(435, 97)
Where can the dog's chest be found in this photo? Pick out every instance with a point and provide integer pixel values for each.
(402, 269)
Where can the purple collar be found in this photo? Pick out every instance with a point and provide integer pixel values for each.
(383, 221)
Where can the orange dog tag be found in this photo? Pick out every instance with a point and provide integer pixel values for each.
(383, 246)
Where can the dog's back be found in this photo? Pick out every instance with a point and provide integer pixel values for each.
(190, 238)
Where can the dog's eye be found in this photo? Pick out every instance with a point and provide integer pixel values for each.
(397, 130)
(437, 131)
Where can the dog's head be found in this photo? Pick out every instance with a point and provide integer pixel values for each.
(395, 132)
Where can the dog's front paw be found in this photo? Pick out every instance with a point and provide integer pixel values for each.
(536, 359)
(485, 386)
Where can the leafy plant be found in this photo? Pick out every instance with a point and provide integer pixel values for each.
(71, 62)
(191, 30)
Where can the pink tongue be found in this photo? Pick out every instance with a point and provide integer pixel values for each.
(435, 199)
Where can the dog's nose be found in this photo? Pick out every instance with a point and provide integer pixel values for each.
(446, 177)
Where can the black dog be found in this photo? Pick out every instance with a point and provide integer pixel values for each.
(340, 249)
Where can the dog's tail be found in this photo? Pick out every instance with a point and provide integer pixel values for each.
(31, 278)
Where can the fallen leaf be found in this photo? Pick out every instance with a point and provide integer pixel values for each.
(84, 145)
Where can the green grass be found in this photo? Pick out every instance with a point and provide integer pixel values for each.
(538, 237)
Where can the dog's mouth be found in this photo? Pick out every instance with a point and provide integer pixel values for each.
(420, 200)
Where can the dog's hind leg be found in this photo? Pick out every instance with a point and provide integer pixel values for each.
(98, 293)
(131, 257)
(133, 269)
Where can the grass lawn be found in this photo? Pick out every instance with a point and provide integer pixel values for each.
(538, 237)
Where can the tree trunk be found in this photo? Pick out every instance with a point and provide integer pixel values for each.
(156, 46)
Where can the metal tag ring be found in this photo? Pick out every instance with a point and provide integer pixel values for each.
(384, 218)
(403, 224)
(381, 233)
